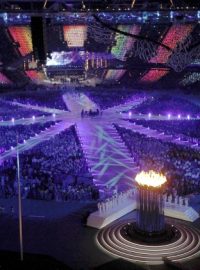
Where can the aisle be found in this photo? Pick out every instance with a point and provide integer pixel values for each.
(107, 156)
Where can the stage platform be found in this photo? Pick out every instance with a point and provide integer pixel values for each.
(100, 219)
(181, 212)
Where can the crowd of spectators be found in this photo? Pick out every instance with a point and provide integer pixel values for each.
(43, 96)
(107, 97)
(9, 111)
(9, 135)
(188, 130)
(53, 170)
(165, 105)
(180, 164)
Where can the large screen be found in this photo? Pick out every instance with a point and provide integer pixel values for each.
(65, 58)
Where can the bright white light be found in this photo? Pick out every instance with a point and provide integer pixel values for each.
(188, 117)
(24, 141)
(169, 116)
(130, 113)
(54, 115)
(13, 120)
(61, 58)
(150, 178)
(179, 116)
(33, 117)
(149, 115)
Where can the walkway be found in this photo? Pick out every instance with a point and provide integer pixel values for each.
(38, 108)
(107, 156)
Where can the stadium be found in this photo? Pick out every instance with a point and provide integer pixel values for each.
(100, 134)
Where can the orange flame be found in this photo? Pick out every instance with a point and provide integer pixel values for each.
(151, 179)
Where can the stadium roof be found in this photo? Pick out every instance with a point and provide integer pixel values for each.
(108, 42)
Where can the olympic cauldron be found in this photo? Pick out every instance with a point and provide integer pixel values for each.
(150, 224)
(150, 219)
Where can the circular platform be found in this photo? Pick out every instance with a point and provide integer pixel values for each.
(132, 233)
(186, 247)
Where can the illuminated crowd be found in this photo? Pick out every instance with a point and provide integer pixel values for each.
(183, 129)
(180, 164)
(53, 170)
(53, 98)
(165, 104)
(13, 134)
(8, 111)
